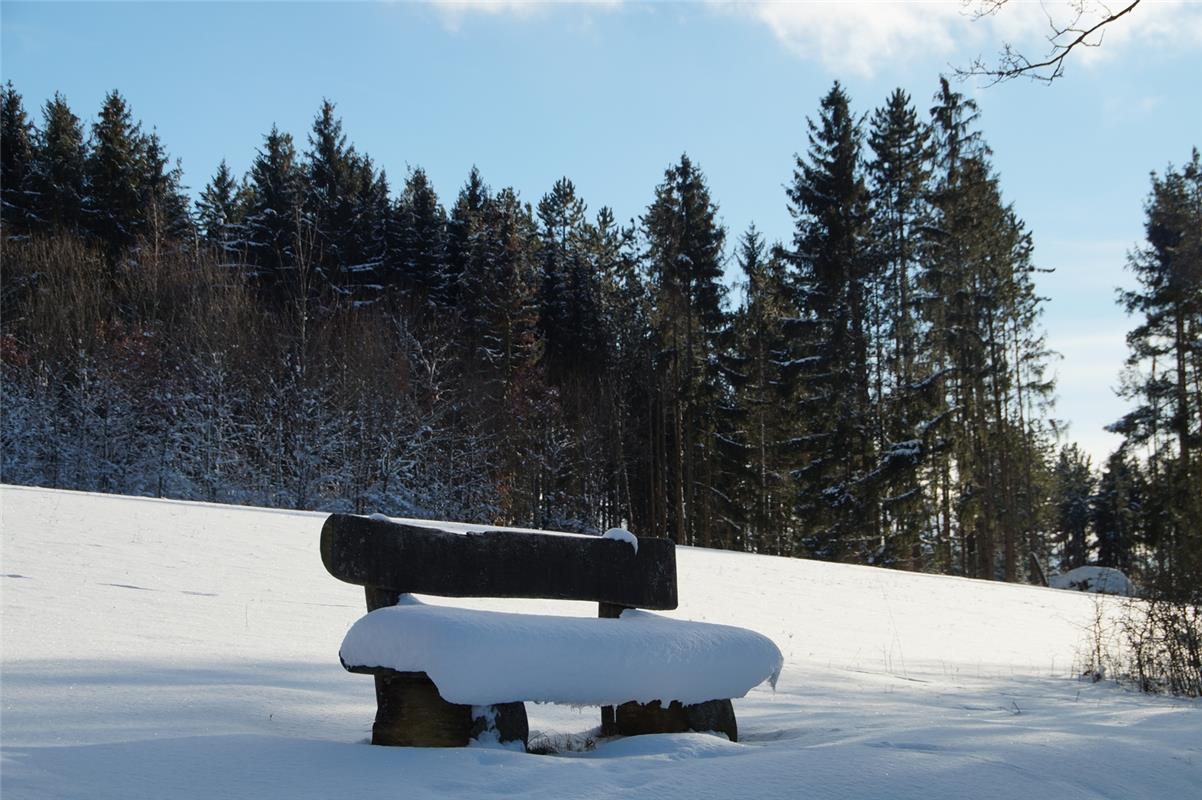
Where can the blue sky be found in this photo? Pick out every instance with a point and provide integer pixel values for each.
(609, 93)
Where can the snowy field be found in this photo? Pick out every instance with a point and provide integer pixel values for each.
(157, 649)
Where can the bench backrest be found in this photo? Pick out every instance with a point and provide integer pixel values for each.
(391, 558)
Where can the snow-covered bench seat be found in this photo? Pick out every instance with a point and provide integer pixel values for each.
(484, 657)
(445, 675)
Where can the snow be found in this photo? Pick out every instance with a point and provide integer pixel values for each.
(622, 535)
(479, 657)
(1102, 580)
(158, 649)
(491, 737)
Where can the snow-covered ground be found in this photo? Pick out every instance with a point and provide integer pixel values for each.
(157, 649)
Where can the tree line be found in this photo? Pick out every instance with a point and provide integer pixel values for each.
(873, 390)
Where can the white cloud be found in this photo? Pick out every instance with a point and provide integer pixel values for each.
(860, 37)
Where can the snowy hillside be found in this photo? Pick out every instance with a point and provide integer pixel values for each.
(156, 649)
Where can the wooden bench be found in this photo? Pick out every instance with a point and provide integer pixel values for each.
(394, 560)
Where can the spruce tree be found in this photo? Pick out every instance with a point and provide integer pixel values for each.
(465, 237)
(274, 220)
(684, 261)
(115, 212)
(164, 206)
(17, 136)
(421, 232)
(575, 263)
(60, 175)
(220, 211)
(1072, 491)
(944, 282)
(569, 315)
(761, 420)
(367, 242)
(498, 313)
(829, 203)
(1116, 511)
(1166, 365)
(902, 392)
(628, 387)
(330, 171)
(987, 354)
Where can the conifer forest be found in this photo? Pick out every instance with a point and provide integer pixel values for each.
(316, 334)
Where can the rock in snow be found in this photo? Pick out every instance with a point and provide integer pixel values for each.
(1100, 580)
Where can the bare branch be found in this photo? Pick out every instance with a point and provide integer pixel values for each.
(1063, 38)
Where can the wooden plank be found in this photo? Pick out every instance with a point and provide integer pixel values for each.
(407, 558)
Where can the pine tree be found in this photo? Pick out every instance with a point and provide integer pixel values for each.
(628, 386)
(945, 284)
(1115, 512)
(60, 175)
(902, 389)
(220, 211)
(684, 260)
(988, 354)
(761, 417)
(421, 230)
(829, 202)
(331, 173)
(464, 237)
(570, 313)
(504, 292)
(114, 204)
(1167, 343)
(575, 262)
(498, 294)
(164, 206)
(367, 243)
(274, 218)
(492, 263)
(17, 136)
(1072, 490)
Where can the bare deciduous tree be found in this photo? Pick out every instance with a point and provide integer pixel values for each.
(1085, 27)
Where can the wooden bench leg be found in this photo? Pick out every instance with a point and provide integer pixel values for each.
(634, 719)
(714, 715)
(609, 721)
(411, 713)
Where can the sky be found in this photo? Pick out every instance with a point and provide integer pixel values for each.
(611, 93)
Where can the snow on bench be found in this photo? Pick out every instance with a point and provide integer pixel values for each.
(486, 657)
(445, 675)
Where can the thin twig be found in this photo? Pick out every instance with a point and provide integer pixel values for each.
(1013, 64)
